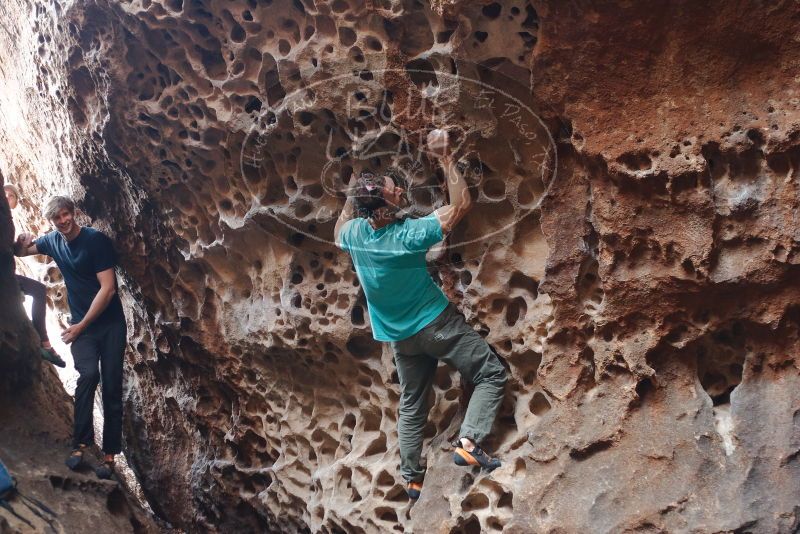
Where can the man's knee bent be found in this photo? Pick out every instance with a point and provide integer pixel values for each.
(88, 376)
(496, 373)
(414, 416)
(32, 287)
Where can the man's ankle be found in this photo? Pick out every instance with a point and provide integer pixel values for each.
(467, 444)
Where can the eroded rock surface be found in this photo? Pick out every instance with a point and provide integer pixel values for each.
(632, 256)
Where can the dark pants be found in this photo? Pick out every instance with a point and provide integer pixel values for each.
(38, 292)
(103, 345)
(451, 340)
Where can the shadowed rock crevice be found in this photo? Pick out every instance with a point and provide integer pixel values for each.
(36, 421)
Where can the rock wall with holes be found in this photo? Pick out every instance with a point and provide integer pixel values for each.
(632, 255)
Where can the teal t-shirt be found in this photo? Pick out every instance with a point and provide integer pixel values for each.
(390, 262)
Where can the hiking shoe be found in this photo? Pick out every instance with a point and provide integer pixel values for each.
(464, 458)
(75, 459)
(414, 489)
(52, 356)
(105, 471)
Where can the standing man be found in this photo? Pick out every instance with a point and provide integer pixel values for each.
(38, 293)
(97, 328)
(411, 312)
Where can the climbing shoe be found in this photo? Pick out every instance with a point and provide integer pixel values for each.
(52, 356)
(75, 459)
(105, 471)
(463, 458)
(413, 489)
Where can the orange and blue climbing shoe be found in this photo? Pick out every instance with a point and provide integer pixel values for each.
(464, 458)
(413, 489)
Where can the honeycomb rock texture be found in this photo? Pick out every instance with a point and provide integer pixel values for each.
(632, 255)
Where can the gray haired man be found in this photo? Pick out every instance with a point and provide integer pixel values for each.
(97, 331)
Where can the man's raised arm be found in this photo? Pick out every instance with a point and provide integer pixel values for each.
(346, 215)
(25, 245)
(460, 200)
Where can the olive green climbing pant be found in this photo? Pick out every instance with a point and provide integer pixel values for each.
(449, 339)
